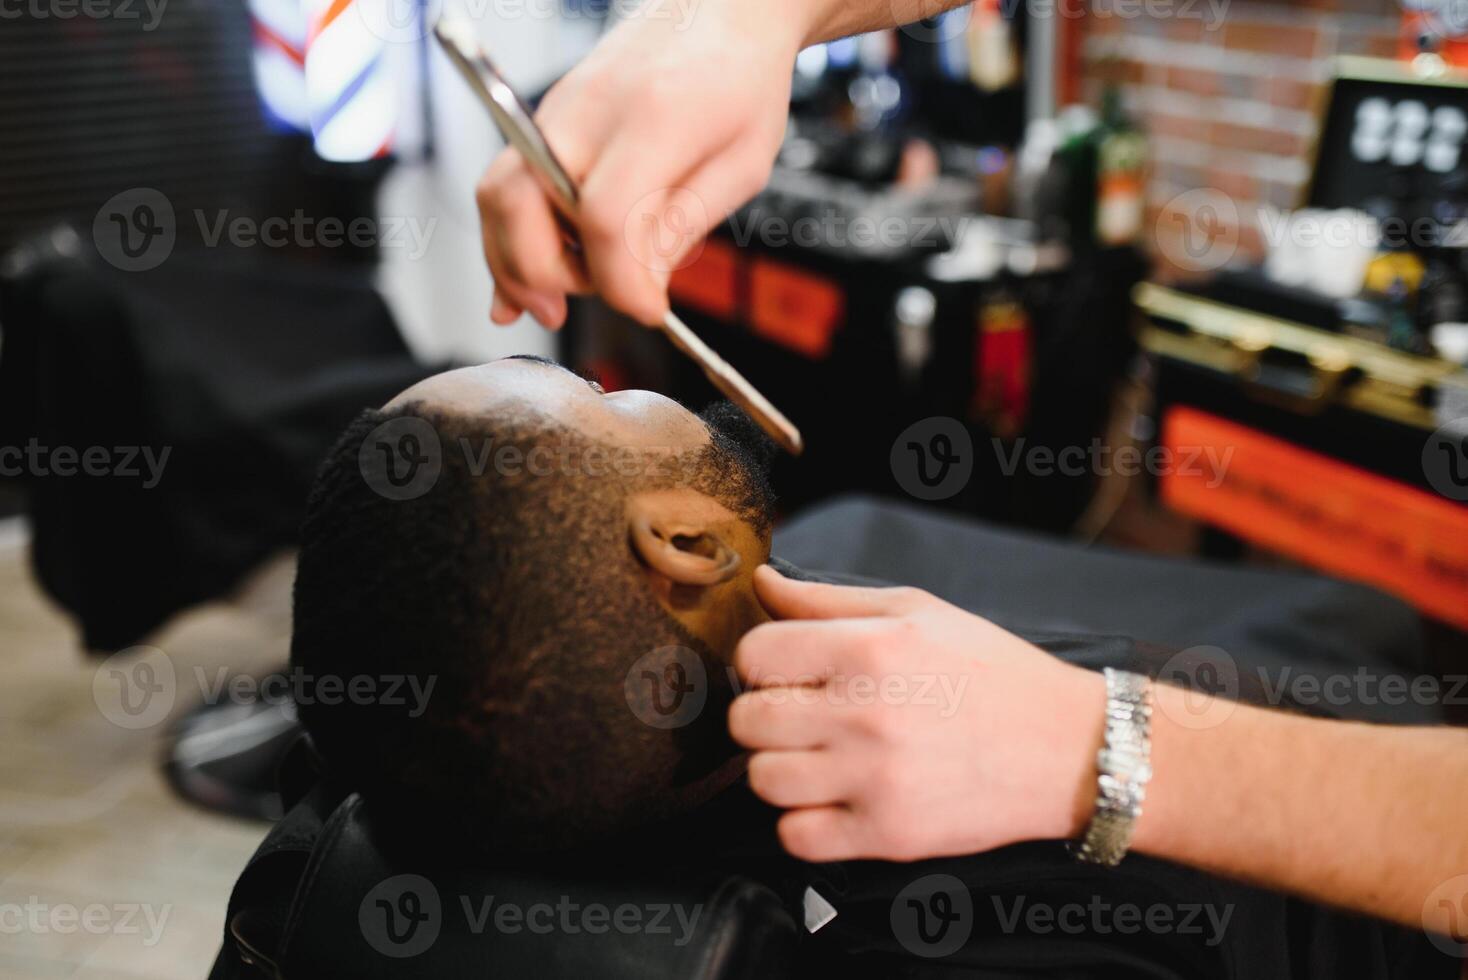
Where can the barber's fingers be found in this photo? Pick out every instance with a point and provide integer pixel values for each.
(823, 834)
(502, 311)
(511, 300)
(632, 281)
(796, 779)
(788, 598)
(522, 242)
(637, 218)
(682, 216)
(530, 236)
(804, 652)
(790, 718)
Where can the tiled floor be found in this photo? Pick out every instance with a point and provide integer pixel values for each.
(103, 872)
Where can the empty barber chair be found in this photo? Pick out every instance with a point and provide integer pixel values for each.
(236, 369)
(241, 367)
(323, 899)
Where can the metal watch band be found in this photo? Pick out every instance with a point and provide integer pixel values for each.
(1124, 765)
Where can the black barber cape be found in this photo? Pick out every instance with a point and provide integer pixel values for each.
(1029, 910)
(1032, 910)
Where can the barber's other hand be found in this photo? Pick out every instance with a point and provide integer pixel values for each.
(671, 122)
(893, 725)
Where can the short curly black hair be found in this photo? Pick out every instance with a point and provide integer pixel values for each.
(512, 600)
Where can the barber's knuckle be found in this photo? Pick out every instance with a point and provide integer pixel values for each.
(510, 270)
(903, 633)
(536, 269)
(758, 773)
(766, 777)
(879, 722)
(749, 653)
(554, 103)
(505, 205)
(855, 659)
(661, 93)
(601, 218)
(872, 654)
(910, 598)
(492, 191)
(745, 660)
(742, 716)
(485, 189)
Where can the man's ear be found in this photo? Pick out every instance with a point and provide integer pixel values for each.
(675, 534)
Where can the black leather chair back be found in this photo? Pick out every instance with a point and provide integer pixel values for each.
(321, 900)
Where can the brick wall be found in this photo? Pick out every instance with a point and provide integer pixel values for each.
(1228, 92)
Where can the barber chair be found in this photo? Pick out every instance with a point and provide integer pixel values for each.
(243, 367)
(323, 898)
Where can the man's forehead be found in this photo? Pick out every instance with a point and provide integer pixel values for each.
(481, 386)
(521, 386)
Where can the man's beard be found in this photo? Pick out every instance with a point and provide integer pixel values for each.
(745, 439)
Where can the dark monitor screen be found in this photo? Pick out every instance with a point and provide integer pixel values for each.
(1394, 145)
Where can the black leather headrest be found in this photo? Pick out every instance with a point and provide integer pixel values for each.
(360, 914)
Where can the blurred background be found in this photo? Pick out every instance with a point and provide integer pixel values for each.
(1184, 277)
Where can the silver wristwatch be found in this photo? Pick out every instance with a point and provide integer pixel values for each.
(1124, 766)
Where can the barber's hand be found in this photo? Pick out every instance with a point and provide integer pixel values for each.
(893, 725)
(671, 122)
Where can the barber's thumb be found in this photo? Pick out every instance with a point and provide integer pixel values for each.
(788, 598)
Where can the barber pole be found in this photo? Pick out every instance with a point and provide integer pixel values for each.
(279, 28)
(352, 101)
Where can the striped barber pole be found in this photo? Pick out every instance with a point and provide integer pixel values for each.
(279, 28)
(352, 102)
